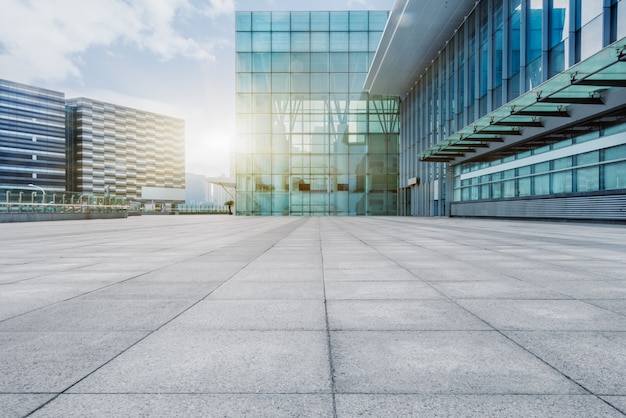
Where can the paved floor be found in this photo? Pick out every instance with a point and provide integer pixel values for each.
(228, 316)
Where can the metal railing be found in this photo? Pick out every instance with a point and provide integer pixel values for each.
(26, 200)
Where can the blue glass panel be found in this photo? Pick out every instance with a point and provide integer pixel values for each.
(320, 21)
(359, 41)
(359, 62)
(300, 83)
(339, 63)
(319, 62)
(377, 20)
(374, 39)
(358, 21)
(280, 41)
(261, 21)
(615, 176)
(244, 82)
(261, 103)
(261, 62)
(261, 42)
(243, 41)
(357, 81)
(319, 82)
(339, 21)
(280, 82)
(243, 62)
(319, 41)
(300, 21)
(280, 62)
(339, 41)
(281, 21)
(261, 83)
(300, 62)
(339, 83)
(534, 30)
(300, 41)
(243, 21)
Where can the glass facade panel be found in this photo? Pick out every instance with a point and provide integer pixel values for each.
(317, 144)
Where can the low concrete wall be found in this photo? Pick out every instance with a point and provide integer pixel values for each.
(37, 217)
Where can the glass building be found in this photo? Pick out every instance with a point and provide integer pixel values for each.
(309, 140)
(32, 136)
(126, 152)
(508, 108)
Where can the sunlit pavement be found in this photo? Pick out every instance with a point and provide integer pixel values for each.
(233, 316)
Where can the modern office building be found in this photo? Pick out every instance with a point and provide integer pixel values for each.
(125, 152)
(309, 140)
(508, 108)
(32, 137)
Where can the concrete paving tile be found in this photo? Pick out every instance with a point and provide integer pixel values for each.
(596, 360)
(360, 262)
(500, 289)
(544, 315)
(476, 406)
(155, 290)
(253, 315)
(618, 402)
(174, 275)
(269, 290)
(98, 315)
(368, 274)
(617, 306)
(37, 362)
(274, 274)
(444, 273)
(183, 406)
(551, 274)
(86, 276)
(380, 290)
(400, 315)
(20, 405)
(597, 289)
(451, 362)
(218, 362)
(18, 298)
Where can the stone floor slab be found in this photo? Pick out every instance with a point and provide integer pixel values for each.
(478, 362)
(380, 290)
(218, 362)
(381, 315)
(473, 406)
(38, 362)
(544, 315)
(190, 405)
(257, 314)
(596, 360)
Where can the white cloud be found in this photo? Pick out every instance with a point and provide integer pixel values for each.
(42, 40)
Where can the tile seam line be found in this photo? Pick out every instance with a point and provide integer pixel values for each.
(293, 226)
(515, 343)
(331, 363)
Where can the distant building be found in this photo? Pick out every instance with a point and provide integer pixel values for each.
(125, 152)
(310, 141)
(32, 137)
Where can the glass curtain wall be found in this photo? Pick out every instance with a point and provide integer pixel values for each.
(503, 49)
(309, 141)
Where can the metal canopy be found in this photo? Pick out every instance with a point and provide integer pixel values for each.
(415, 33)
(580, 85)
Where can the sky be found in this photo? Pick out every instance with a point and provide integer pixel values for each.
(173, 57)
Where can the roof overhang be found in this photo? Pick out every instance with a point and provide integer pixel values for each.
(585, 96)
(415, 33)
